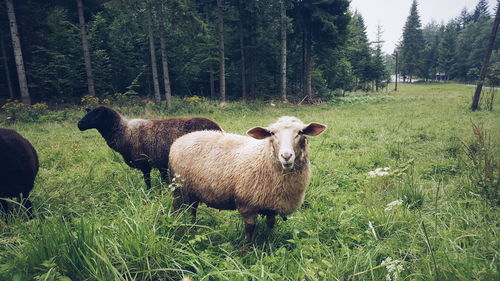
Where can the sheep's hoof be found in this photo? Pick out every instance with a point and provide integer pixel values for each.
(247, 247)
(284, 218)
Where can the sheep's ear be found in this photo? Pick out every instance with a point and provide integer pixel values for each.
(259, 133)
(88, 109)
(313, 129)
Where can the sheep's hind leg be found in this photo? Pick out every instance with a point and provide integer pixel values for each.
(194, 208)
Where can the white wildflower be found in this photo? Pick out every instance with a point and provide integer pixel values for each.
(393, 204)
(176, 182)
(394, 268)
(379, 172)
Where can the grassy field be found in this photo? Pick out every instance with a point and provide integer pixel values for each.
(95, 220)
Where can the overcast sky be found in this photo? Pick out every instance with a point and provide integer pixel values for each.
(392, 14)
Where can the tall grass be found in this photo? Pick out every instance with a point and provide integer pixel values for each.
(94, 220)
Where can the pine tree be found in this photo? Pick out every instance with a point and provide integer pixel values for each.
(447, 49)
(464, 18)
(323, 26)
(359, 50)
(481, 9)
(431, 33)
(380, 72)
(412, 44)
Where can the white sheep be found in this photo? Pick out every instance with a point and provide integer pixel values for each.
(266, 173)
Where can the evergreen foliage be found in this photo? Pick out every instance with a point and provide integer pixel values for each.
(324, 33)
(412, 44)
(454, 49)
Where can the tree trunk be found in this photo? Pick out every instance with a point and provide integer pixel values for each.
(154, 70)
(220, 31)
(242, 52)
(166, 79)
(303, 76)
(308, 65)
(6, 68)
(396, 81)
(283, 51)
(486, 61)
(164, 58)
(86, 49)
(252, 74)
(252, 55)
(18, 54)
(212, 83)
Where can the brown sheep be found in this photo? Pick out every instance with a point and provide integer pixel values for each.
(144, 144)
(266, 173)
(18, 168)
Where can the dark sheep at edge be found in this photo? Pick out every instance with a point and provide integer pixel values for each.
(18, 168)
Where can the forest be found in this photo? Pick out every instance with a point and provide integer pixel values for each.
(279, 49)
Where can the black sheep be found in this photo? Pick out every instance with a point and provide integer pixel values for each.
(18, 168)
(144, 144)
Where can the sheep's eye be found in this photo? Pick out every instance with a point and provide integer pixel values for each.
(272, 134)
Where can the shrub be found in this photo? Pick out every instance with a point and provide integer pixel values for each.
(89, 101)
(24, 112)
(194, 99)
(128, 98)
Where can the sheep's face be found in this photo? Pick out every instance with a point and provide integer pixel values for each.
(97, 118)
(287, 137)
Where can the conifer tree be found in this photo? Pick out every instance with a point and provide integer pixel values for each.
(359, 50)
(447, 49)
(412, 44)
(380, 72)
(481, 9)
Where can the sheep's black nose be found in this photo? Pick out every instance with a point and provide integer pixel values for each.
(286, 156)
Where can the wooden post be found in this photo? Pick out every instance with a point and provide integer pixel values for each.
(396, 82)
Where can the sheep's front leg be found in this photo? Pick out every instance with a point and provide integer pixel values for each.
(147, 177)
(270, 221)
(249, 226)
